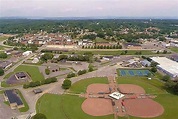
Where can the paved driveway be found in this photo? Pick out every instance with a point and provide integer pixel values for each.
(5, 111)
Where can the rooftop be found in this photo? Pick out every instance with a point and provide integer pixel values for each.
(13, 97)
(167, 64)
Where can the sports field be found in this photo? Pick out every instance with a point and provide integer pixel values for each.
(69, 107)
(167, 100)
(130, 72)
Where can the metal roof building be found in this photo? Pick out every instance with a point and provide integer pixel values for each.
(13, 98)
(167, 66)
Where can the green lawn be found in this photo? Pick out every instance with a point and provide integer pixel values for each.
(168, 101)
(81, 86)
(100, 40)
(33, 71)
(26, 107)
(3, 38)
(151, 86)
(117, 52)
(175, 49)
(64, 107)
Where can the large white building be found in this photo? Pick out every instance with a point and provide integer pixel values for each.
(167, 66)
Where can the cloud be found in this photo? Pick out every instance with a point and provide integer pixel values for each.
(58, 8)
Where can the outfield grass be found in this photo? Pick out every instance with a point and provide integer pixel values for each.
(64, 107)
(33, 71)
(168, 101)
(151, 86)
(81, 86)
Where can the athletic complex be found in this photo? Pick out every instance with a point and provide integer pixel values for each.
(120, 100)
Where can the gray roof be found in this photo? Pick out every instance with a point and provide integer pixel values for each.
(13, 97)
(4, 64)
(20, 74)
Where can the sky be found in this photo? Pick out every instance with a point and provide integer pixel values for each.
(89, 8)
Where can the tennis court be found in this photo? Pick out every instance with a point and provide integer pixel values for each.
(133, 72)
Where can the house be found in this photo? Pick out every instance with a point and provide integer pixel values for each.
(5, 64)
(35, 60)
(13, 98)
(133, 46)
(20, 75)
(108, 58)
(145, 63)
(27, 53)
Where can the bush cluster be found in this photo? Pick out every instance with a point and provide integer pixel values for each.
(38, 83)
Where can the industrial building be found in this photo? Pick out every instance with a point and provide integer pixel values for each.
(167, 66)
(13, 98)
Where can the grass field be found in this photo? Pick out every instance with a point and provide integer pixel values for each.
(81, 86)
(3, 38)
(33, 71)
(26, 107)
(168, 101)
(63, 107)
(116, 52)
(67, 106)
(175, 49)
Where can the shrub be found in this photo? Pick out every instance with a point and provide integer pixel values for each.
(47, 71)
(1, 72)
(66, 84)
(80, 72)
(38, 83)
(70, 75)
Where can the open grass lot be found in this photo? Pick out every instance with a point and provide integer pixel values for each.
(63, 107)
(33, 71)
(175, 49)
(81, 86)
(26, 107)
(3, 38)
(168, 101)
(116, 52)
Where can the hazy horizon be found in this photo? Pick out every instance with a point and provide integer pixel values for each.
(92, 8)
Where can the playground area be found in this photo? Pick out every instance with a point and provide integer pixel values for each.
(130, 72)
(133, 102)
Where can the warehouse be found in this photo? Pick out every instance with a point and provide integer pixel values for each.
(167, 66)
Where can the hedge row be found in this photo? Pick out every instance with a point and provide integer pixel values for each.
(39, 83)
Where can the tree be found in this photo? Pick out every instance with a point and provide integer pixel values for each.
(149, 74)
(3, 55)
(39, 116)
(153, 69)
(166, 78)
(47, 71)
(46, 56)
(70, 75)
(66, 84)
(1, 72)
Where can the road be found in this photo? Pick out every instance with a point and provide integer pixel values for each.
(15, 66)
